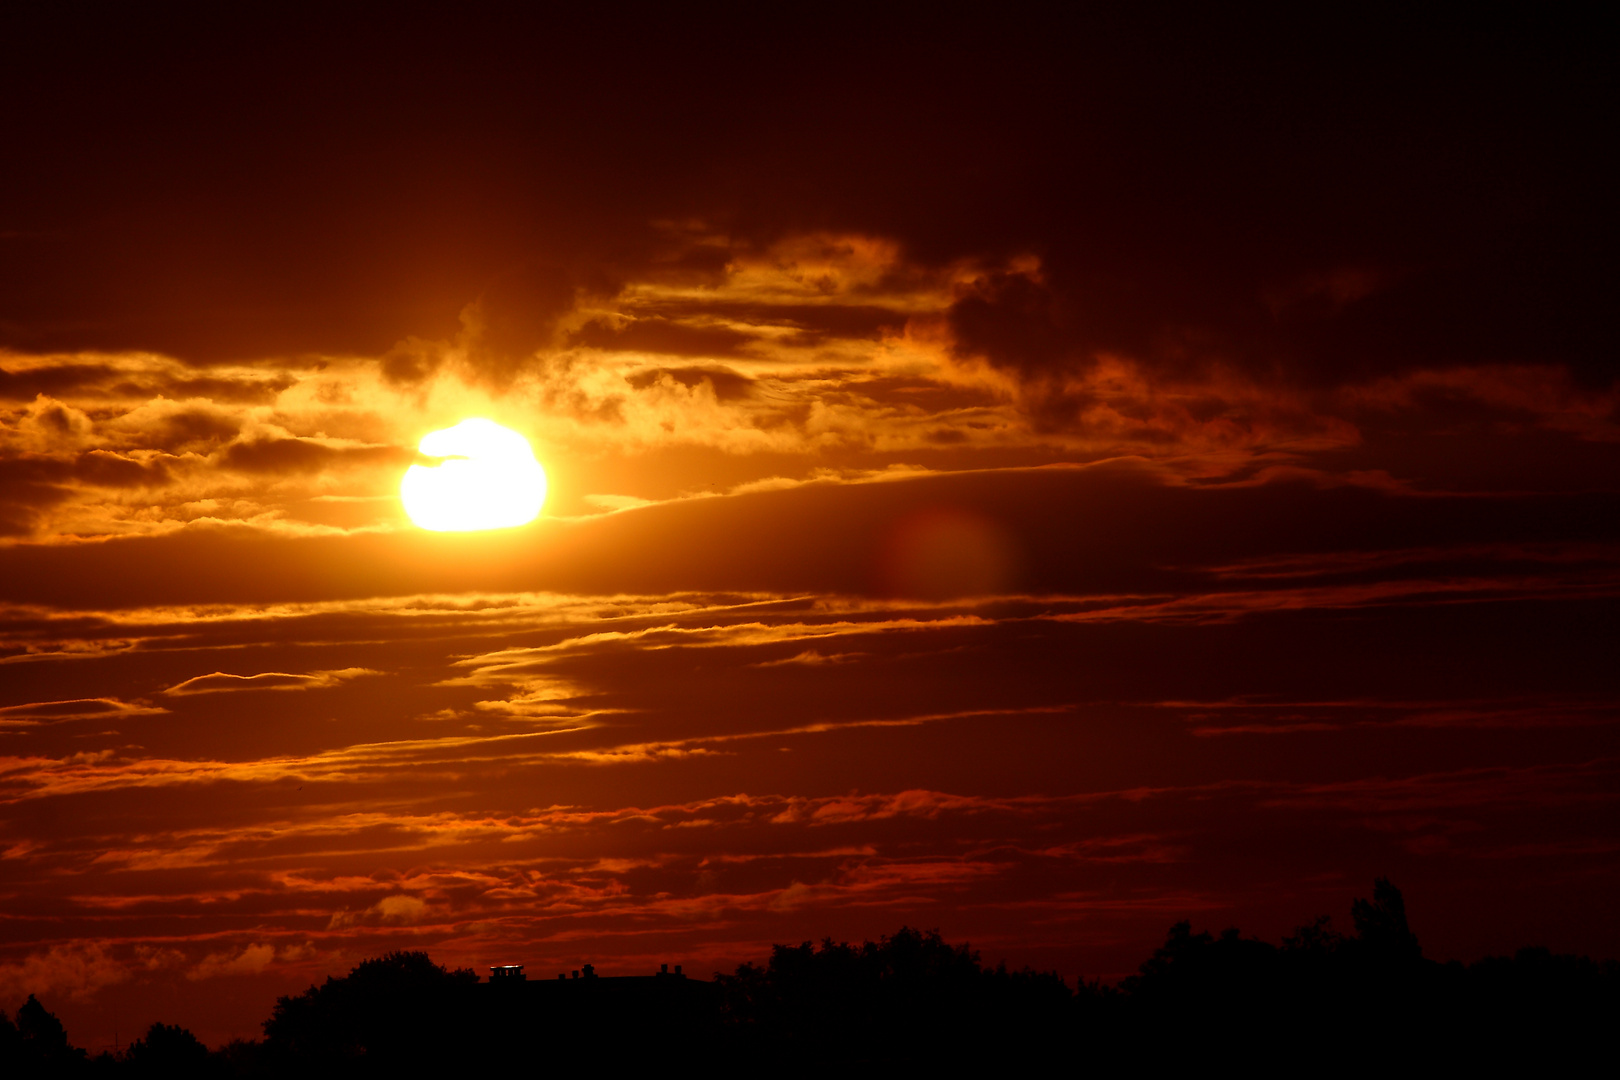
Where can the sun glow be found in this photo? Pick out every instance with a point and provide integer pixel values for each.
(486, 478)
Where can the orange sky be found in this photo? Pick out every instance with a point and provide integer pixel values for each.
(1036, 480)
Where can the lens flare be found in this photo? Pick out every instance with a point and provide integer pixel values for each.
(486, 478)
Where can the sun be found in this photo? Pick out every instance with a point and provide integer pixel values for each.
(486, 478)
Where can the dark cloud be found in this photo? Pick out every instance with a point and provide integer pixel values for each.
(655, 335)
(1016, 322)
(727, 385)
(56, 418)
(70, 380)
(1066, 531)
(191, 429)
(276, 455)
(23, 501)
(247, 391)
(814, 322)
(514, 316)
(105, 469)
(53, 380)
(29, 485)
(52, 712)
(413, 360)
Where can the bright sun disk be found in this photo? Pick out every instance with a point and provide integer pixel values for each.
(486, 478)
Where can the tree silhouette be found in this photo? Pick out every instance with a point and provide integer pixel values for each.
(168, 1051)
(397, 1009)
(11, 1040)
(1316, 938)
(42, 1043)
(1381, 926)
(1320, 1002)
(909, 997)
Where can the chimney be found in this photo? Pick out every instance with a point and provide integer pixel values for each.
(663, 969)
(678, 971)
(576, 974)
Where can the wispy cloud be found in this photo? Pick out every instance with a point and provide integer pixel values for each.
(36, 713)
(221, 682)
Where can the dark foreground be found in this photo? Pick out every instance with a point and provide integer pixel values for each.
(1320, 1002)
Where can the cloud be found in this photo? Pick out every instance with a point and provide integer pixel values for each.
(1116, 528)
(221, 682)
(77, 971)
(1495, 396)
(192, 428)
(1258, 716)
(52, 712)
(725, 384)
(250, 961)
(849, 809)
(306, 455)
(813, 658)
(1013, 320)
(660, 336)
(108, 377)
(1568, 783)
(847, 353)
(400, 909)
(25, 383)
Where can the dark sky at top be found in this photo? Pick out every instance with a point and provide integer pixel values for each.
(215, 185)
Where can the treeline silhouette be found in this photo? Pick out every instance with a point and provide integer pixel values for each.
(1320, 1001)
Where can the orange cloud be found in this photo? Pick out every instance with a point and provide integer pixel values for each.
(400, 909)
(250, 961)
(51, 712)
(221, 682)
